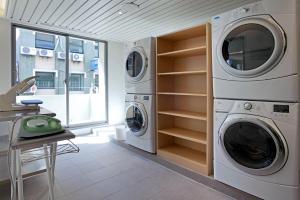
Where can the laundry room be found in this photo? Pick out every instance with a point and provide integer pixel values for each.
(149, 100)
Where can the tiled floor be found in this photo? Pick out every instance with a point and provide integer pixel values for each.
(104, 170)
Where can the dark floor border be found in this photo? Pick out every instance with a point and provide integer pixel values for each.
(206, 180)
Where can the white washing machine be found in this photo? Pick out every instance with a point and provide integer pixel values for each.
(256, 147)
(140, 67)
(256, 52)
(140, 120)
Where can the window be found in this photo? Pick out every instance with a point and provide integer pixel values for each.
(45, 80)
(44, 41)
(76, 82)
(76, 46)
(96, 49)
(97, 80)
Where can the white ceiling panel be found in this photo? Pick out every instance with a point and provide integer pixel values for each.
(101, 18)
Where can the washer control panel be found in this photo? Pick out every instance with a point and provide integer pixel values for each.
(285, 112)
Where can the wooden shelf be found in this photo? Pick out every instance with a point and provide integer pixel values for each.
(185, 114)
(194, 136)
(184, 100)
(182, 73)
(184, 156)
(185, 52)
(183, 94)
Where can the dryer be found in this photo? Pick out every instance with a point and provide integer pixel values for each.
(140, 120)
(256, 52)
(140, 67)
(256, 147)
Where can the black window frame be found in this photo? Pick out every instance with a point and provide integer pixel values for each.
(38, 83)
(42, 38)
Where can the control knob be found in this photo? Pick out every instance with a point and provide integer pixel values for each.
(247, 106)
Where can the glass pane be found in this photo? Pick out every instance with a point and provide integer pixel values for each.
(76, 46)
(134, 119)
(248, 47)
(47, 65)
(134, 64)
(250, 145)
(44, 41)
(87, 82)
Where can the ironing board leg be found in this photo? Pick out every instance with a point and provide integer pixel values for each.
(53, 160)
(13, 175)
(19, 174)
(49, 173)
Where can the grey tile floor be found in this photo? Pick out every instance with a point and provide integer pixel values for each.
(106, 171)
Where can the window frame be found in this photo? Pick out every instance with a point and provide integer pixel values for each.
(14, 74)
(45, 72)
(81, 82)
(45, 41)
(72, 44)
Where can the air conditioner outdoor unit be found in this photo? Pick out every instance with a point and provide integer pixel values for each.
(45, 53)
(61, 55)
(77, 57)
(28, 51)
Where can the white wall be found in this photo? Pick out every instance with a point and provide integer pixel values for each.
(116, 83)
(5, 55)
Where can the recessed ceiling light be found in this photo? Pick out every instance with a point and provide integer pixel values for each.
(128, 8)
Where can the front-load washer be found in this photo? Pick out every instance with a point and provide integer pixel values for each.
(140, 67)
(256, 147)
(140, 120)
(256, 52)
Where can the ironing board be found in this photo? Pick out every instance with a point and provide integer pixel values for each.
(11, 116)
(19, 145)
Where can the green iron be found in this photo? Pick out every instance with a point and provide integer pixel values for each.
(39, 126)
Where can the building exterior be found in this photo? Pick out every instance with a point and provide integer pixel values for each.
(44, 55)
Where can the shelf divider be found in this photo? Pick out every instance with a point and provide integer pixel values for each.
(194, 136)
(185, 114)
(185, 52)
(182, 73)
(184, 156)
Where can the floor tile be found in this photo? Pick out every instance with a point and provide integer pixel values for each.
(111, 172)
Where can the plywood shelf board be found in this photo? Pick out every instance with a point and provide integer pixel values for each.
(185, 52)
(186, 33)
(182, 73)
(185, 114)
(184, 156)
(194, 136)
(183, 94)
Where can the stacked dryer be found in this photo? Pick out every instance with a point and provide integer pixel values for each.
(140, 94)
(256, 90)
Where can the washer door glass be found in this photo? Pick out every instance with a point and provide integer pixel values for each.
(136, 120)
(248, 47)
(255, 147)
(135, 64)
(251, 47)
(250, 145)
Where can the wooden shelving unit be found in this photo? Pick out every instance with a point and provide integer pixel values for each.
(184, 98)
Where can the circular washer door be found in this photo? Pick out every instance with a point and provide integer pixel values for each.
(136, 119)
(136, 64)
(251, 47)
(254, 145)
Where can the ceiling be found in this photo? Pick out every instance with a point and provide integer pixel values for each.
(100, 18)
